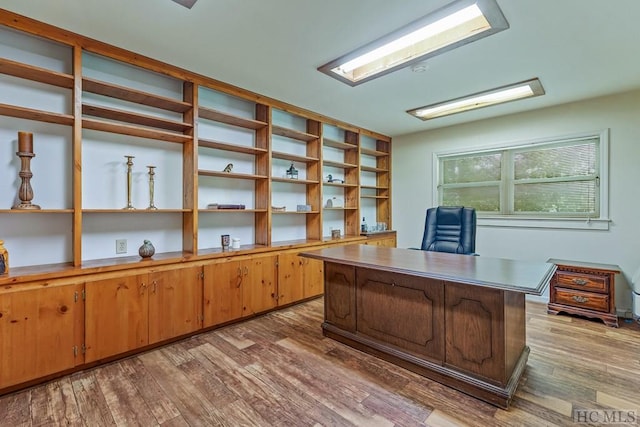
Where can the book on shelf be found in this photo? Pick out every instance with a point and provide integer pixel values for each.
(225, 206)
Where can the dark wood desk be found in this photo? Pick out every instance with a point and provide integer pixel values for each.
(457, 319)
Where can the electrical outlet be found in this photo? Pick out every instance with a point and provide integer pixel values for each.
(121, 246)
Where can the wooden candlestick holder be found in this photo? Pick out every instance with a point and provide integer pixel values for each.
(25, 193)
(129, 170)
(152, 206)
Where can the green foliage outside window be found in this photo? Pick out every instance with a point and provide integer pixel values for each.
(559, 178)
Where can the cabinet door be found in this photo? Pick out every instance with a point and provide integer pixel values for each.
(37, 330)
(340, 296)
(290, 278)
(175, 303)
(313, 277)
(222, 292)
(259, 287)
(116, 316)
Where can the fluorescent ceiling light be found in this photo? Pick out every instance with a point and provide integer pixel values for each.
(458, 23)
(527, 89)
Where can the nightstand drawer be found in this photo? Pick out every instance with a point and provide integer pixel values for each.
(588, 300)
(588, 282)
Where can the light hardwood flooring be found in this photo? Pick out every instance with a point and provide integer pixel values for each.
(278, 370)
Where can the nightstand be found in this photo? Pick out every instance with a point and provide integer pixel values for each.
(584, 288)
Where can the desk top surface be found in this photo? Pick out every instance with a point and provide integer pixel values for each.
(507, 274)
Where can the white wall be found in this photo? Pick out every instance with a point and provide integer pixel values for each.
(413, 184)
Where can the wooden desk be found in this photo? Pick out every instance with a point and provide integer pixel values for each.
(457, 319)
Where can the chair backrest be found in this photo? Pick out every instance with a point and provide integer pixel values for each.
(450, 229)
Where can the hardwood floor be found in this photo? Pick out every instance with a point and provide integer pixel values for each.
(278, 370)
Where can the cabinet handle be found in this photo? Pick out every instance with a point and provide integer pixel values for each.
(580, 281)
(580, 299)
(246, 270)
(143, 286)
(154, 286)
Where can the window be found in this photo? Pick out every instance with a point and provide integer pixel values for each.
(555, 179)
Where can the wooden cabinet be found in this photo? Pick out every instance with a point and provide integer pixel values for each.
(40, 330)
(387, 238)
(117, 312)
(585, 289)
(259, 284)
(312, 277)
(128, 312)
(290, 278)
(239, 288)
(298, 278)
(175, 303)
(222, 292)
(89, 108)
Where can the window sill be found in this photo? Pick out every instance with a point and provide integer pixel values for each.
(561, 223)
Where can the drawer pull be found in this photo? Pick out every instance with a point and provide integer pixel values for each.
(580, 299)
(580, 282)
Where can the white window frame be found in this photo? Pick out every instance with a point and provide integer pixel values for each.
(499, 220)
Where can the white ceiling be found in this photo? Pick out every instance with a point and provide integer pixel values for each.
(578, 49)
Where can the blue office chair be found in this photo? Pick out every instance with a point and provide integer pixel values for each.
(450, 229)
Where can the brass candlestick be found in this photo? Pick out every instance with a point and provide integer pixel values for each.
(151, 174)
(129, 166)
(25, 152)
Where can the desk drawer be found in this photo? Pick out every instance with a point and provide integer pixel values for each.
(587, 282)
(588, 300)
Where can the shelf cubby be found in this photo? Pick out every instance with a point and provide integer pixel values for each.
(130, 130)
(231, 175)
(37, 115)
(123, 93)
(231, 147)
(293, 157)
(229, 119)
(36, 74)
(293, 134)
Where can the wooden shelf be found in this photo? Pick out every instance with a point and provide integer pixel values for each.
(293, 157)
(122, 129)
(37, 115)
(135, 211)
(232, 210)
(294, 181)
(373, 187)
(132, 95)
(340, 209)
(338, 184)
(376, 153)
(134, 118)
(229, 119)
(35, 211)
(36, 74)
(230, 147)
(337, 144)
(292, 133)
(372, 169)
(116, 99)
(293, 212)
(230, 175)
(340, 165)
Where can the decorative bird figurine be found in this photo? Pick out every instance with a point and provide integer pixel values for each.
(228, 168)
